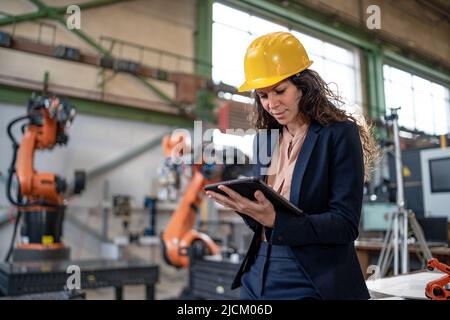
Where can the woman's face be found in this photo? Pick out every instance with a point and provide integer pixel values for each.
(281, 101)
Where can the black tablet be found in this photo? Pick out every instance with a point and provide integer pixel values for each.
(247, 187)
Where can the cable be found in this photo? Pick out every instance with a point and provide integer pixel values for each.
(11, 246)
(11, 172)
(13, 122)
(12, 169)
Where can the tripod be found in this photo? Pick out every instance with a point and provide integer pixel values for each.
(403, 220)
(385, 258)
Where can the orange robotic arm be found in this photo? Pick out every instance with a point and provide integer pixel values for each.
(175, 146)
(179, 234)
(437, 289)
(39, 186)
(39, 201)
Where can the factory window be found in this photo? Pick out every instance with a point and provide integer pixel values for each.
(233, 30)
(425, 105)
(337, 65)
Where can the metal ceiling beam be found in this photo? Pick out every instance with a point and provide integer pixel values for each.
(43, 12)
(91, 4)
(425, 70)
(23, 17)
(162, 95)
(307, 18)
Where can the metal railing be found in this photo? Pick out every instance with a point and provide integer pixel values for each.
(119, 46)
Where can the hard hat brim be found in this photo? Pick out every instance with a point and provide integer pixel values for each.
(267, 82)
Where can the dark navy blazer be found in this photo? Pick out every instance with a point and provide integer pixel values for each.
(327, 184)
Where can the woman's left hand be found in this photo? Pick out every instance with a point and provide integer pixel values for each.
(261, 210)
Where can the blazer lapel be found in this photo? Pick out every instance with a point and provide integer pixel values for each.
(302, 161)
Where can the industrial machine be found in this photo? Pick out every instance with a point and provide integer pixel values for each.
(210, 267)
(122, 208)
(407, 201)
(39, 198)
(435, 165)
(180, 235)
(438, 289)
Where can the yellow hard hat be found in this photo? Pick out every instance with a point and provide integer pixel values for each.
(272, 58)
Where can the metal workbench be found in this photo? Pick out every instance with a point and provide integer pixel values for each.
(22, 278)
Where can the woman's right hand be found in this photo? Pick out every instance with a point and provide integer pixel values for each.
(261, 210)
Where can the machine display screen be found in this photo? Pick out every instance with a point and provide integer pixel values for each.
(376, 216)
(440, 175)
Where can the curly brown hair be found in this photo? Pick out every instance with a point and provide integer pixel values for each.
(319, 103)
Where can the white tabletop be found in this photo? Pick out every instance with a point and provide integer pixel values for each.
(408, 286)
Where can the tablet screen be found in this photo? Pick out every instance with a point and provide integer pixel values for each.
(247, 187)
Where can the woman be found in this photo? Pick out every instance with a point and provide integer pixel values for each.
(319, 163)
